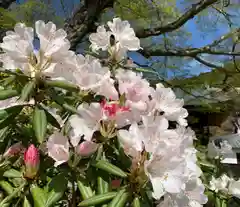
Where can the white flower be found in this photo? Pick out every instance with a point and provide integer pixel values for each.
(101, 39)
(191, 196)
(123, 36)
(90, 115)
(166, 101)
(224, 152)
(220, 184)
(19, 49)
(90, 75)
(131, 140)
(87, 148)
(58, 148)
(234, 188)
(165, 169)
(86, 122)
(135, 89)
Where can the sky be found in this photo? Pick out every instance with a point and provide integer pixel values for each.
(197, 38)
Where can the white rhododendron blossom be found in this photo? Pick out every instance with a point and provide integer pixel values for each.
(149, 123)
(118, 39)
(20, 53)
(58, 148)
(225, 185)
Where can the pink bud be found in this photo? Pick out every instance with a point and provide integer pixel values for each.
(87, 148)
(14, 150)
(32, 161)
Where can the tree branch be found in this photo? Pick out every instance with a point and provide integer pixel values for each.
(193, 52)
(83, 20)
(196, 9)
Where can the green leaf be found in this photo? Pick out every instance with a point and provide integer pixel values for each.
(12, 173)
(206, 164)
(70, 108)
(40, 124)
(85, 190)
(98, 199)
(16, 191)
(224, 203)
(3, 133)
(27, 90)
(7, 187)
(108, 167)
(62, 84)
(4, 113)
(51, 119)
(8, 93)
(120, 199)
(9, 80)
(57, 187)
(103, 186)
(136, 202)
(26, 203)
(39, 196)
(13, 112)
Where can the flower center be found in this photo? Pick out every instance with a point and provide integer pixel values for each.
(111, 109)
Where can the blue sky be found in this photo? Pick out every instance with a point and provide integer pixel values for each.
(197, 38)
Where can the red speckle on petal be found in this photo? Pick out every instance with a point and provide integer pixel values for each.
(111, 109)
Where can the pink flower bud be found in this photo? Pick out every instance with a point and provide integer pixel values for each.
(14, 150)
(32, 161)
(87, 148)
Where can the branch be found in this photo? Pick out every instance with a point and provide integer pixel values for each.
(208, 64)
(191, 13)
(193, 52)
(83, 20)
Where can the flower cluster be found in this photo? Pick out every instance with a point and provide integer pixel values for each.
(226, 185)
(148, 122)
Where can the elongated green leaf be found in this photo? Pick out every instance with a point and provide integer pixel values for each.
(39, 196)
(27, 90)
(120, 199)
(98, 199)
(13, 112)
(62, 84)
(53, 197)
(12, 173)
(9, 93)
(123, 199)
(106, 166)
(26, 203)
(103, 185)
(9, 80)
(218, 202)
(70, 108)
(40, 124)
(7, 199)
(7, 187)
(52, 120)
(85, 190)
(3, 133)
(56, 189)
(4, 113)
(136, 202)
